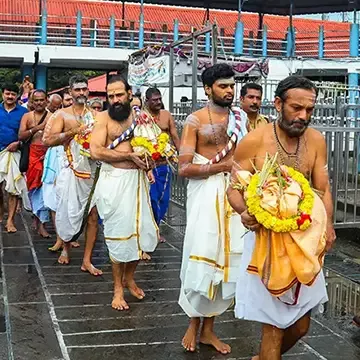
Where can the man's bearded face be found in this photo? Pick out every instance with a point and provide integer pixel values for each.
(296, 110)
(222, 92)
(80, 93)
(119, 101)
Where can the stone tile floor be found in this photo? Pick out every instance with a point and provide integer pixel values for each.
(50, 312)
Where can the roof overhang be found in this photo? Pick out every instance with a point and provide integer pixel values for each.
(276, 7)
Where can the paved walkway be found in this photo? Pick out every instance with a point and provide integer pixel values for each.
(51, 312)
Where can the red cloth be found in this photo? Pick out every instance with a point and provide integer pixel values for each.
(36, 166)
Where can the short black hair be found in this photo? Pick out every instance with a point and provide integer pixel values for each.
(250, 86)
(216, 72)
(115, 78)
(78, 78)
(151, 92)
(10, 87)
(294, 82)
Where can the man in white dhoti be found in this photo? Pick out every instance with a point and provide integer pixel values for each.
(122, 192)
(15, 184)
(213, 239)
(71, 127)
(285, 319)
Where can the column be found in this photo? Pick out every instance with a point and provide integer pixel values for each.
(290, 42)
(112, 32)
(141, 31)
(321, 41)
(78, 28)
(239, 38)
(27, 70)
(176, 30)
(264, 41)
(43, 29)
(41, 76)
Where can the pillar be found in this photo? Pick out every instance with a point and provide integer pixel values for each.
(41, 76)
(176, 30)
(321, 42)
(112, 32)
(208, 40)
(264, 41)
(43, 29)
(78, 28)
(290, 42)
(141, 31)
(354, 40)
(239, 38)
(27, 70)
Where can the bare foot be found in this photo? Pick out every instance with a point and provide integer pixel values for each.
(118, 302)
(43, 233)
(91, 269)
(162, 239)
(10, 227)
(75, 244)
(145, 256)
(134, 289)
(64, 257)
(209, 338)
(189, 339)
(57, 246)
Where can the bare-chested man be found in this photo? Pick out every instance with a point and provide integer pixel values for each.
(122, 192)
(304, 149)
(76, 180)
(31, 129)
(213, 237)
(160, 190)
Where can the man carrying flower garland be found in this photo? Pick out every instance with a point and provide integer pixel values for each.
(160, 190)
(76, 180)
(263, 295)
(213, 238)
(122, 191)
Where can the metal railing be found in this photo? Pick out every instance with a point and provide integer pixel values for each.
(98, 32)
(339, 122)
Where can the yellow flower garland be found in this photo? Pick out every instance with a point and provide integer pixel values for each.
(302, 221)
(162, 141)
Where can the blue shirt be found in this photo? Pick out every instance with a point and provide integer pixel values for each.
(10, 124)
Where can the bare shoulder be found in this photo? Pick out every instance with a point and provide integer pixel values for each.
(165, 113)
(193, 120)
(315, 138)
(102, 117)
(256, 136)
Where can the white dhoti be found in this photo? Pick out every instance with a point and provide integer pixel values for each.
(254, 302)
(123, 202)
(15, 183)
(213, 246)
(73, 187)
(54, 161)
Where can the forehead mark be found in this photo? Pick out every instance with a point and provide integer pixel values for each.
(230, 81)
(80, 85)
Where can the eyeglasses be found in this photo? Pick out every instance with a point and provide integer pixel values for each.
(97, 108)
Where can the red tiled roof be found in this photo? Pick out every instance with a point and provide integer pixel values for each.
(64, 12)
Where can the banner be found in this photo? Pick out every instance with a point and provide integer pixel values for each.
(151, 71)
